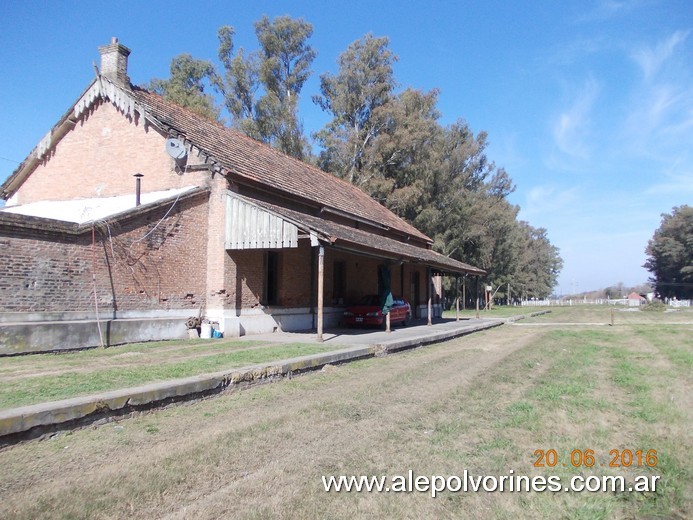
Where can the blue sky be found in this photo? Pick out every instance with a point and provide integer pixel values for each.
(587, 104)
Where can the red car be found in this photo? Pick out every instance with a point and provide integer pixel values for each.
(369, 312)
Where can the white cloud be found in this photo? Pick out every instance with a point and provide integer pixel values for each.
(571, 128)
(651, 59)
(676, 182)
(660, 112)
(549, 199)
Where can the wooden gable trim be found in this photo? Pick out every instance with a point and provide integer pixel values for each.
(101, 89)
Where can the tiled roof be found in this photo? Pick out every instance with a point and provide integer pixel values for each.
(358, 239)
(260, 163)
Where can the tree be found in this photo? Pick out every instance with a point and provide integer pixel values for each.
(355, 97)
(241, 83)
(670, 254)
(440, 179)
(186, 86)
(261, 89)
(540, 263)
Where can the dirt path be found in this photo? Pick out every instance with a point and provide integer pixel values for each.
(266, 446)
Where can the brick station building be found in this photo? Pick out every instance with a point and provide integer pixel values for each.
(134, 214)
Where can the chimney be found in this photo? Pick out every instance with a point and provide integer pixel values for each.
(114, 62)
(138, 188)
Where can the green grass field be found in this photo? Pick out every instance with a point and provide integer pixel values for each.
(49, 377)
(489, 403)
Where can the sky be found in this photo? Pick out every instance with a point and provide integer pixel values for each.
(587, 104)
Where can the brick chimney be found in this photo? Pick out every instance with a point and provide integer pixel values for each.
(114, 62)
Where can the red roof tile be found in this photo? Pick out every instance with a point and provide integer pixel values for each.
(260, 163)
(352, 238)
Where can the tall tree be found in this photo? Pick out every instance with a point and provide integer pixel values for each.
(261, 89)
(240, 82)
(355, 98)
(539, 265)
(670, 254)
(187, 85)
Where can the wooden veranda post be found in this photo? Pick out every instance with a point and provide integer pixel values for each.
(430, 296)
(457, 297)
(464, 292)
(321, 284)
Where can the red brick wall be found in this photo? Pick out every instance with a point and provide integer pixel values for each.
(139, 266)
(40, 275)
(362, 277)
(99, 157)
(244, 285)
(295, 276)
(159, 264)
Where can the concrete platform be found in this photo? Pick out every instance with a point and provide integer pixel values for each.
(350, 344)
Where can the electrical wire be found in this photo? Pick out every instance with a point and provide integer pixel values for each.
(158, 223)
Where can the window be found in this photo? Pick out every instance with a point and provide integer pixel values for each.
(339, 282)
(271, 285)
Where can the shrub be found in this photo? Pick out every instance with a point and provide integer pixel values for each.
(654, 306)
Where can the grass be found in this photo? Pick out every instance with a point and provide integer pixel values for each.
(602, 314)
(575, 314)
(497, 311)
(485, 403)
(69, 382)
(582, 389)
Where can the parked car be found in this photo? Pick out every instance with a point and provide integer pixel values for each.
(369, 312)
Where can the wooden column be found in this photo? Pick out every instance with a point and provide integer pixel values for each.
(321, 286)
(457, 297)
(430, 296)
(464, 292)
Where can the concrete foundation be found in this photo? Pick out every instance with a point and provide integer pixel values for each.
(262, 321)
(26, 333)
(48, 336)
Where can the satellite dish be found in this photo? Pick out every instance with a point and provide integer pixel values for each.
(175, 148)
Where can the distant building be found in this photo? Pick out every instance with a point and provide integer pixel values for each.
(635, 299)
